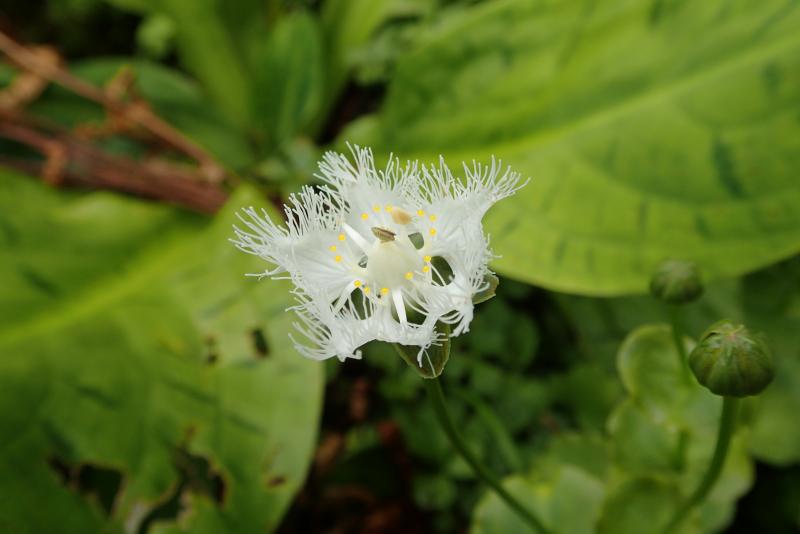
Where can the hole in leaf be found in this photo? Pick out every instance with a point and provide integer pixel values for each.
(196, 476)
(260, 343)
(199, 476)
(98, 484)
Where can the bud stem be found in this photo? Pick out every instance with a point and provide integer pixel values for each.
(677, 337)
(440, 408)
(727, 424)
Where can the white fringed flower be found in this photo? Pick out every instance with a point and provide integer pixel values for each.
(380, 254)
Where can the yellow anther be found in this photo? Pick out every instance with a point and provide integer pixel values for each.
(376, 208)
(421, 213)
(426, 268)
(384, 290)
(341, 237)
(357, 283)
(432, 218)
(409, 275)
(365, 215)
(388, 207)
(400, 216)
(337, 258)
(427, 259)
(432, 231)
(332, 248)
(366, 290)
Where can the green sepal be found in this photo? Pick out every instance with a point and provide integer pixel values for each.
(489, 292)
(434, 360)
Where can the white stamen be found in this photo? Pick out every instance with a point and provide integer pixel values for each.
(356, 237)
(397, 297)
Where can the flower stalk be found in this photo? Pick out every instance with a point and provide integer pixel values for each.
(727, 425)
(677, 337)
(436, 395)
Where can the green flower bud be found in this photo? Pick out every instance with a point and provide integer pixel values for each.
(730, 361)
(677, 282)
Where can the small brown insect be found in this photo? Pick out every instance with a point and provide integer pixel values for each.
(383, 234)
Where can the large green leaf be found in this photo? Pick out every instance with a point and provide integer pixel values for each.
(347, 25)
(772, 302)
(207, 48)
(650, 130)
(567, 478)
(131, 341)
(289, 80)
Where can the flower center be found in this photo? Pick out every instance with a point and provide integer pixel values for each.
(389, 263)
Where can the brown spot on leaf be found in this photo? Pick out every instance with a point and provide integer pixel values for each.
(276, 481)
(212, 354)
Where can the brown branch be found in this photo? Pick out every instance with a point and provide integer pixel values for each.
(135, 112)
(77, 162)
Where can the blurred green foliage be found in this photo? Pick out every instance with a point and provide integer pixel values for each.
(651, 131)
(146, 386)
(137, 360)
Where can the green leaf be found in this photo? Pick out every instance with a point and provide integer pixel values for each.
(555, 489)
(650, 131)
(640, 505)
(649, 367)
(289, 78)
(643, 445)
(347, 25)
(666, 430)
(155, 35)
(772, 302)
(207, 48)
(131, 341)
(494, 427)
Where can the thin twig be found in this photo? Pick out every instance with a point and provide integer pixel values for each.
(77, 162)
(135, 112)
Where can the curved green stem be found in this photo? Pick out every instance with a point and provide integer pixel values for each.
(677, 338)
(440, 407)
(727, 425)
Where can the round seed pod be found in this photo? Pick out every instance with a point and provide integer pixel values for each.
(731, 361)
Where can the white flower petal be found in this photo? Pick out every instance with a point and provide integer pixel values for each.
(362, 249)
